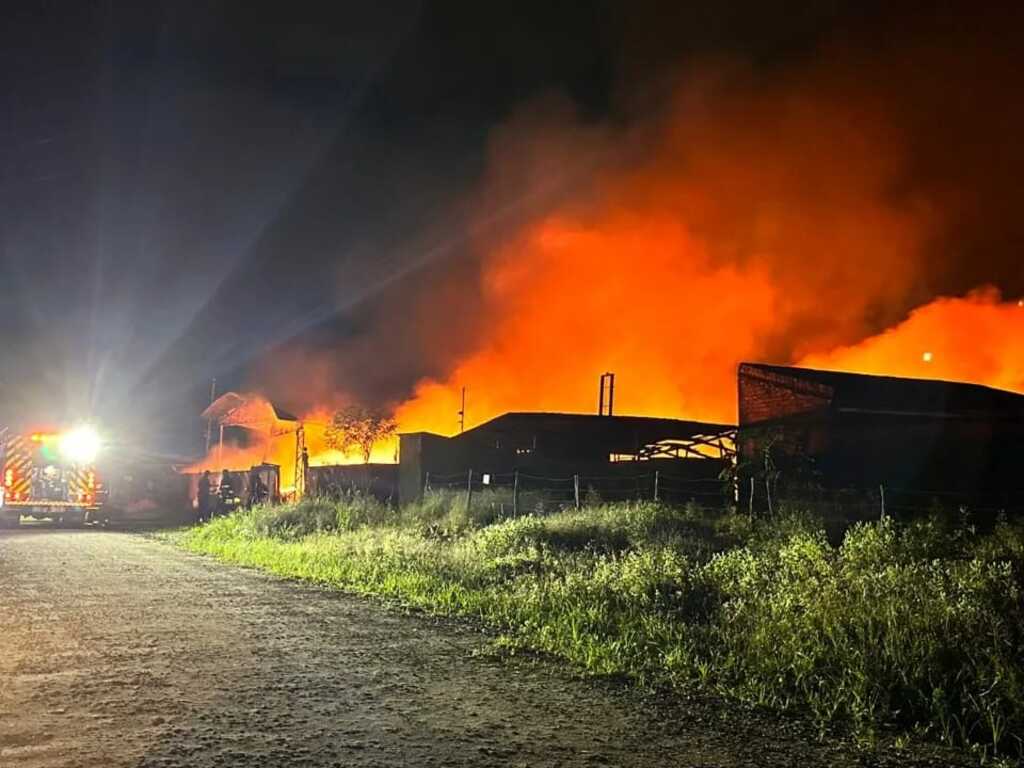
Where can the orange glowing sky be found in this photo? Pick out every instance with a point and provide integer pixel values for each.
(781, 244)
(753, 221)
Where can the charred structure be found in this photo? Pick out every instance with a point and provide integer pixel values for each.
(564, 445)
(920, 441)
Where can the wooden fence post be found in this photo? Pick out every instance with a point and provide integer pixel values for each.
(426, 483)
(881, 493)
(751, 500)
(469, 491)
(576, 489)
(656, 475)
(515, 493)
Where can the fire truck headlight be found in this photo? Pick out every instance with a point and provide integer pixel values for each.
(80, 445)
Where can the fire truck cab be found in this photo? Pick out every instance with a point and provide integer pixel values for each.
(49, 475)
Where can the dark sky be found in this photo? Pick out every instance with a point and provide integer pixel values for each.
(185, 185)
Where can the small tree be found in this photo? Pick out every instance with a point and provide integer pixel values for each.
(356, 428)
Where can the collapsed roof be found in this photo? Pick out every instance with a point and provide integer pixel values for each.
(249, 411)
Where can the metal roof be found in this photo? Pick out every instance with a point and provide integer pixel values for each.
(890, 395)
(616, 433)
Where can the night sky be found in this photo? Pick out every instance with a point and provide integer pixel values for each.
(187, 185)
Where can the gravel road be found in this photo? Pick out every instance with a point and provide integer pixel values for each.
(117, 650)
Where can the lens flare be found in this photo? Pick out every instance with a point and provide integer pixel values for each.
(80, 445)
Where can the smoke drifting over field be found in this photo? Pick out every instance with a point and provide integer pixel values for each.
(852, 213)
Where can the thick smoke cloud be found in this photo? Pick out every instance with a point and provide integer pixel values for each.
(784, 214)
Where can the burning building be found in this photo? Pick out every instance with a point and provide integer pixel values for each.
(248, 431)
(251, 431)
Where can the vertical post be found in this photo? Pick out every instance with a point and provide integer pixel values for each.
(768, 494)
(469, 491)
(656, 477)
(301, 463)
(607, 384)
(576, 489)
(426, 482)
(881, 494)
(220, 448)
(209, 422)
(462, 412)
(751, 501)
(515, 493)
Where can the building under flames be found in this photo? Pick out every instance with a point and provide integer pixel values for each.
(911, 442)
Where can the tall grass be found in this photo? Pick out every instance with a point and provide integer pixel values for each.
(917, 627)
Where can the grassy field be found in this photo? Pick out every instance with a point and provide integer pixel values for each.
(916, 627)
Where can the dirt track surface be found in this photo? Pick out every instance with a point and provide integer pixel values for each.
(116, 650)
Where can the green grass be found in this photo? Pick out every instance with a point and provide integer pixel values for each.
(915, 627)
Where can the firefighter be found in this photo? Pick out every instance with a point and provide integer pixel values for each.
(226, 493)
(203, 499)
(257, 489)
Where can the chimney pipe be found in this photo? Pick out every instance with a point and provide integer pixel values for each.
(607, 385)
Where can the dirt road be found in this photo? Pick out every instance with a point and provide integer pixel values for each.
(117, 650)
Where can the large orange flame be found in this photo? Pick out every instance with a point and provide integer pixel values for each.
(760, 221)
(280, 447)
(978, 338)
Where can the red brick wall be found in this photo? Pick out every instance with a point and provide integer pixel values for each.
(765, 396)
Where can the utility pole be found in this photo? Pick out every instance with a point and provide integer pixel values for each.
(462, 412)
(209, 422)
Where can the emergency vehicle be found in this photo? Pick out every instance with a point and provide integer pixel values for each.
(50, 475)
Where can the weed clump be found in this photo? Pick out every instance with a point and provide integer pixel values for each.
(312, 515)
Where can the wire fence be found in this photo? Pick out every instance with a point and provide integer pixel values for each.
(525, 492)
(882, 500)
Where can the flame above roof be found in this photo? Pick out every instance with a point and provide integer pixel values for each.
(249, 411)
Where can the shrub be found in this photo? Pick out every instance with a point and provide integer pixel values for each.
(350, 510)
(289, 521)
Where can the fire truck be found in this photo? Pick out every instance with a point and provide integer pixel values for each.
(50, 475)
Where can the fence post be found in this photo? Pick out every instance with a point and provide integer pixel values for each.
(751, 501)
(656, 474)
(515, 493)
(426, 483)
(881, 493)
(576, 489)
(768, 494)
(469, 491)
